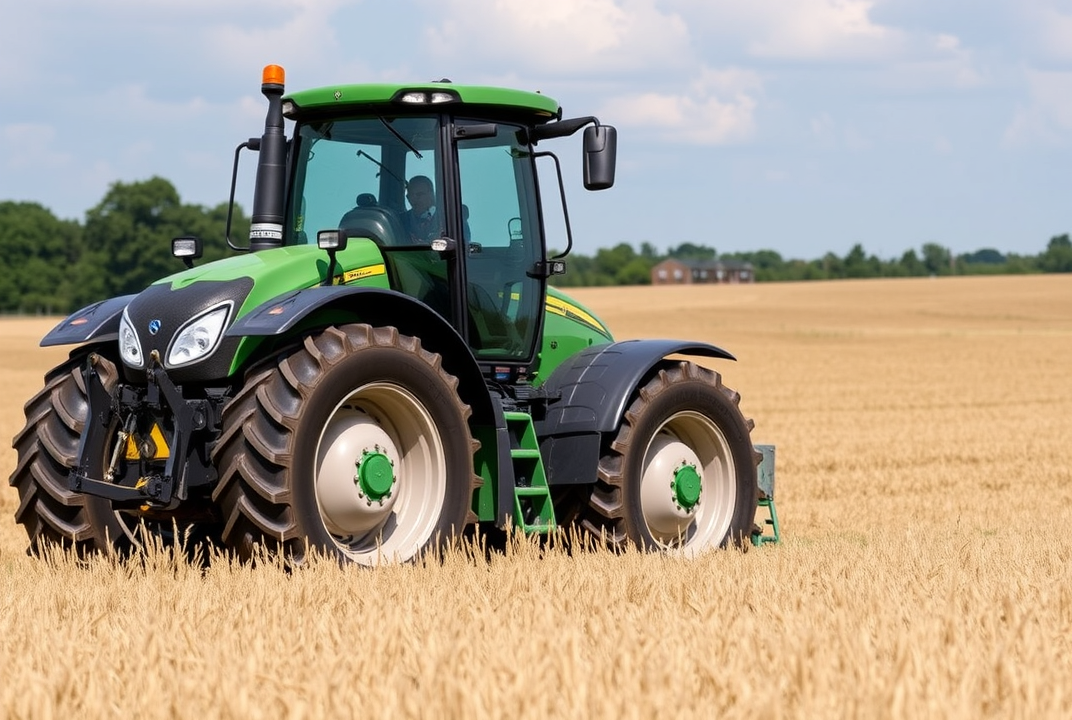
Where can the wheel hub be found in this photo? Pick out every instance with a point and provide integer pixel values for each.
(355, 477)
(374, 475)
(686, 487)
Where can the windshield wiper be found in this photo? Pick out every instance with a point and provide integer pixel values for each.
(362, 153)
(401, 139)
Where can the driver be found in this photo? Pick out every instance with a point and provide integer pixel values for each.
(421, 221)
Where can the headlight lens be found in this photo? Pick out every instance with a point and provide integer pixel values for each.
(129, 344)
(198, 338)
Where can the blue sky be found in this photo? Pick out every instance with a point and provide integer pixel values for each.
(803, 126)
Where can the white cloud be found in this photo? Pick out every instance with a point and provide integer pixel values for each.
(793, 29)
(1049, 27)
(21, 48)
(718, 108)
(830, 134)
(561, 36)
(29, 146)
(304, 39)
(819, 29)
(936, 62)
(1047, 118)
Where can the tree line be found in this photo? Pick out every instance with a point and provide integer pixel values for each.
(623, 265)
(54, 266)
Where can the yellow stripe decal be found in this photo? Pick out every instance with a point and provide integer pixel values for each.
(569, 310)
(364, 272)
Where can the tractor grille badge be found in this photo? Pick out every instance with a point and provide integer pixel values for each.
(154, 327)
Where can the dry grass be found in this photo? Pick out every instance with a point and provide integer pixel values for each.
(923, 486)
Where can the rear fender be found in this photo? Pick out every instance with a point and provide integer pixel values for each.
(300, 310)
(99, 321)
(591, 391)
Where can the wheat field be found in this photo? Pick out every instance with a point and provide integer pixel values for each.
(924, 482)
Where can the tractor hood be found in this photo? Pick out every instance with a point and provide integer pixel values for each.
(180, 321)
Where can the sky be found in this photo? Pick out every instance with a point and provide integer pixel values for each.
(800, 126)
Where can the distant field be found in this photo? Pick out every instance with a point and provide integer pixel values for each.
(923, 431)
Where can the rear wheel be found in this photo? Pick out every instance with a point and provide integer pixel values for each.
(355, 442)
(680, 475)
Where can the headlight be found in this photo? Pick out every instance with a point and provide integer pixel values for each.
(129, 344)
(199, 337)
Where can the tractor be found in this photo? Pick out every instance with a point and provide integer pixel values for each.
(384, 366)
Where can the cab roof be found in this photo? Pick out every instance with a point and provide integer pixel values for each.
(381, 98)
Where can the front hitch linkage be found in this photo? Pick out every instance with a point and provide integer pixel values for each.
(156, 489)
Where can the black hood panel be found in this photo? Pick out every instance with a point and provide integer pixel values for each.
(168, 310)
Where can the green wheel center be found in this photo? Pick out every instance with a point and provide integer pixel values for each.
(375, 475)
(686, 486)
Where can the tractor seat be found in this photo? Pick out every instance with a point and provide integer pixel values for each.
(379, 224)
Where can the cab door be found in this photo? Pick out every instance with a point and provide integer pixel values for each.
(502, 245)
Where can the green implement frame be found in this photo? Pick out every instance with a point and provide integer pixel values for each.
(761, 536)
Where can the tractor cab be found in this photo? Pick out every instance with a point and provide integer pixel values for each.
(456, 219)
(442, 179)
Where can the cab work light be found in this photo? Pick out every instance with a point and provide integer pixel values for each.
(427, 97)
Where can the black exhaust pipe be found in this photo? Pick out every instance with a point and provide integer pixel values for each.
(266, 230)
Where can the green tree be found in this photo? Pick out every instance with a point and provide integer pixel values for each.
(40, 252)
(689, 251)
(911, 264)
(984, 256)
(859, 265)
(636, 272)
(936, 259)
(128, 237)
(1058, 255)
(610, 262)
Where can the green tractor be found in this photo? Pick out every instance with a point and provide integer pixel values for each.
(371, 377)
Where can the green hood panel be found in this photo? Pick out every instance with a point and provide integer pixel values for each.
(569, 328)
(283, 270)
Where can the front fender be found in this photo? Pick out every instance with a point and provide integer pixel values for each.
(99, 321)
(379, 307)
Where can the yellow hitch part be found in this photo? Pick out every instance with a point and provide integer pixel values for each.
(154, 447)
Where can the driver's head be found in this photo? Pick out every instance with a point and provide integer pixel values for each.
(420, 193)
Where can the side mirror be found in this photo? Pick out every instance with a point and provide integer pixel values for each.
(187, 249)
(600, 156)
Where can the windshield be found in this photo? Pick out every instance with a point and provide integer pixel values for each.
(363, 163)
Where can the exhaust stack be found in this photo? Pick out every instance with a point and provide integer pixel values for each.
(266, 230)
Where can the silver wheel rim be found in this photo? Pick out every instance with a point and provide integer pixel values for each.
(688, 439)
(384, 421)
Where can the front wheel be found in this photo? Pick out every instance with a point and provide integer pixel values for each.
(355, 443)
(680, 475)
(47, 451)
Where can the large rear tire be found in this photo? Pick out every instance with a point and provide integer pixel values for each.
(680, 475)
(47, 450)
(354, 443)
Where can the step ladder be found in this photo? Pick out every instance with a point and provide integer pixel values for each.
(533, 510)
(765, 472)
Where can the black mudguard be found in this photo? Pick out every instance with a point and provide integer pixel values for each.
(99, 321)
(380, 307)
(590, 392)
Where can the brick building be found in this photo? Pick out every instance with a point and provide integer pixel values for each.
(682, 272)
